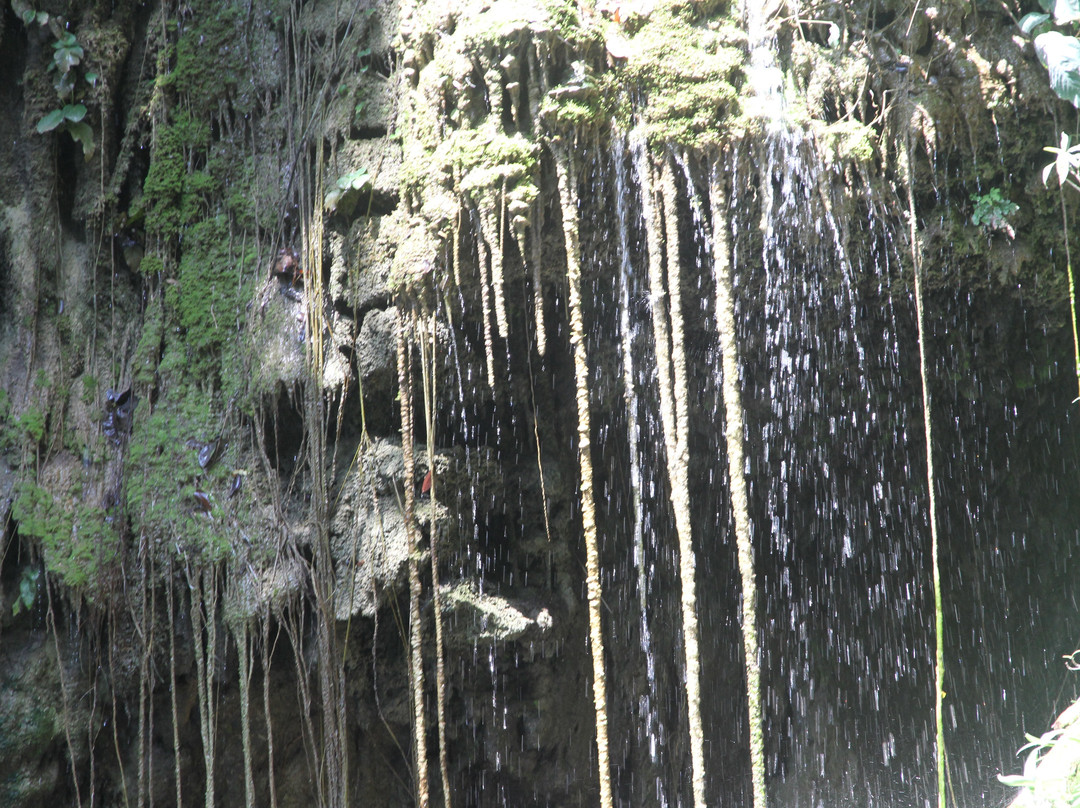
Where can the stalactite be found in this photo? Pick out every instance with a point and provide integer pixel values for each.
(939, 622)
(733, 430)
(538, 275)
(498, 270)
(455, 229)
(482, 251)
(416, 634)
(492, 225)
(428, 369)
(567, 175)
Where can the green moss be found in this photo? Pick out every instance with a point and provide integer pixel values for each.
(163, 473)
(209, 59)
(209, 299)
(32, 424)
(163, 188)
(849, 141)
(489, 161)
(77, 540)
(688, 70)
(89, 389)
(148, 351)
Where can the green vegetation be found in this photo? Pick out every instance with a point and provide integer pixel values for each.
(347, 191)
(992, 212)
(77, 540)
(163, 476)
(1051, 775)
(32, 423)
(210, 297)
(688, 69)
(28, 589)
(1058, 52)
(71, 80)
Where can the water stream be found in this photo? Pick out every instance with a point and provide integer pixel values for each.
(835, 462)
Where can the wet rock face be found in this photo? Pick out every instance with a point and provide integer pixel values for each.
(449, 110)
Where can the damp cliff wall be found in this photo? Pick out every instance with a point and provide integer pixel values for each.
(214, 218)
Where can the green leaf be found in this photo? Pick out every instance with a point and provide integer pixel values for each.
(1029, 22)
(68, 52)
(83, 134)
(50, 121)
(42, 18)
(74, 112)
(28, 16)
(65, 85)
(1060, 55)
(91, 78)
(333, 197)
(356, 180)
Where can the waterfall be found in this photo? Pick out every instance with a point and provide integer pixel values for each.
(631, 292)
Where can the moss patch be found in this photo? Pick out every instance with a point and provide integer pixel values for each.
(77, 540)
(163, 475)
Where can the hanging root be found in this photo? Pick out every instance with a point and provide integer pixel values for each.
(170, 605)
(246, 663)
(567, 173)
(733, 429)
(427, 364)
(939, 621)
(203, 608)
(416, 634)
(265, 649)
(482, 251)
(1072, 286)
(537, 276)
(675, 402)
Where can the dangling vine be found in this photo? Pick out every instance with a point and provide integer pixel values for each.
(733, 431)
(939, 621)
(416, 634)
(674, 406)
(567, 176)
(426, 337)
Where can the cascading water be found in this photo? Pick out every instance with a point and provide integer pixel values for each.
(629, 335)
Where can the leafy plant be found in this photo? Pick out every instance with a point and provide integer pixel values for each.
(347, 191)
(28, 588)
(1054, 783)
(992, 212)
(1058, 52)
(70, 81)
(32, 422)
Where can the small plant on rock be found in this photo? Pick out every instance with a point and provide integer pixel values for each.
(28, 589)
(70, 81)
(992, 212)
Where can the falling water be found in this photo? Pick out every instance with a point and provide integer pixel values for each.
(834, 462)
(630, 290)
